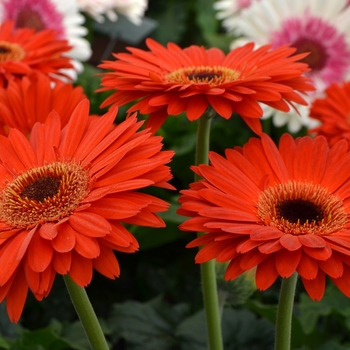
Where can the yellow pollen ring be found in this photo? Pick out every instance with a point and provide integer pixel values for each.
(331, 212)
(11, 52)
(44, 194)
(203, 74)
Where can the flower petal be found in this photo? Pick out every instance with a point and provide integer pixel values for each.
(80, 270)
(89, 224)
(315, 287)
(287, 262)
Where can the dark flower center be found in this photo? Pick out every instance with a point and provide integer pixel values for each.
(299, 211)
(4, 50)
(299, 208)
(11, 52)
(44, 194)
(212, 75)
(203, 76)
(41, 189)
(318, 56)
(28, 18)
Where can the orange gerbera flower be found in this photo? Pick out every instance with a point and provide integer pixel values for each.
(169, 81)
(281, 210)
(22, 50)
(29, 100)
(333, 111)
(64, 196)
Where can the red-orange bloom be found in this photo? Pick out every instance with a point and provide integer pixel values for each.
(29, 100)
(281, 210)
(171, 80)
(333, 111)
(22, 50)
(64, 196)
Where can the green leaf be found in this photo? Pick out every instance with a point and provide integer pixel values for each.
(237, 291)
(146, 326)
(45, 338)
(332, 345)
(242, 330)
(171, 18)
(264, 310)
(4, 344)
(206, 17)
(311, 311)
(75, 336)
(157, 325)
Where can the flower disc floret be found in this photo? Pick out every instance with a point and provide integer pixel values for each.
(210, 75)
(11, 52)
(299, 208)
(44, 194)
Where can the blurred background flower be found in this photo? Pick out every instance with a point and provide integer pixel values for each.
(23, 51)
(228, 11)
(321, 28)
(134, 10)
(333, 111)
(62, 16)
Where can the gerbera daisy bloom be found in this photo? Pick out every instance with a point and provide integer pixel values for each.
(318, 27)
(170, 80)
(228, 10)
(281, 210)
(333, 111)
(134, 10)
(31, 99)
(23, 51)
(62, 16)
(66, 192)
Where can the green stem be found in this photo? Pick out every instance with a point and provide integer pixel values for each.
(284, 313)
(208, 273)
(86, 314)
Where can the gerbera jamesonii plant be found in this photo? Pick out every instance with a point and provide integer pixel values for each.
(282, 210)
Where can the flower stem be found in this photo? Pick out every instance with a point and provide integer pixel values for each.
(284, 313)
(208, 273)
(86, 315)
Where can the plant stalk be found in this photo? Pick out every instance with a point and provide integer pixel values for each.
(86, 315)
(284, 313)
(208, 273)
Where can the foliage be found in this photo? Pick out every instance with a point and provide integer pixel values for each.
(156, 302)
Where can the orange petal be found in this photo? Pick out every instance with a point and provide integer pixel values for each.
(16, 296)
(106, 263)
(287, 262)
(65, 240)
(48, 231)
(39, 253)
(315, 287)
(61, 262)
(308, 267)
(89, 224)
(290, 242)
(80, 270)
(88, 247)
(266, 273)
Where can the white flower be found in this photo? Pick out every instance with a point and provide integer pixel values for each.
(319, 27)
(228, 10)
(61, 15)
(134, 10)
